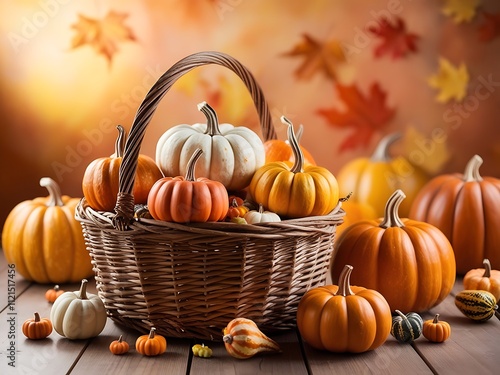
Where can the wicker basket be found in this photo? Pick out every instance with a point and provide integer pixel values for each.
(190, 280)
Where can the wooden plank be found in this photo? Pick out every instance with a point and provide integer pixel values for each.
(53, 355)
(390, 358)
(288, 361)
(473, 347)
(98, 359)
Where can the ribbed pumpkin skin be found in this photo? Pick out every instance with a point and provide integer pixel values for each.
(465, 208)
(436, 330)
(354, 322)
(483, 279)
(476, 304)
(407, 328)
(243, 339)
(412, 266)
(45, 241)
(151, 345)
(37, 328)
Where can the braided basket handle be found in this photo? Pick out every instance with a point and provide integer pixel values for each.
(125, 201)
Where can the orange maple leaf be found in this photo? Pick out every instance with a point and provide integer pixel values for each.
(365, 114)
(102, 34)
(396, 40)
(318, 57)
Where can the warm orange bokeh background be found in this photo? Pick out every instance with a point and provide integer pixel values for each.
(60, 105)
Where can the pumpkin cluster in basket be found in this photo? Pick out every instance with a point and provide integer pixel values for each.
(217, 172)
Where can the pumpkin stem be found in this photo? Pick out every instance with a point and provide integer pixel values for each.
(56, 288)
(297, 152)
(227, 338)
(403, 316)
(436, 319)
(261, 208)
(344, 282)
(391, 218)
(487, 268)
(55, 198)
(381, 152)
(120, 339)
(83, 289)
(152, 333)
(212, 120)
(37, 317)
(120, 142)
(192, 163)
(472, 169)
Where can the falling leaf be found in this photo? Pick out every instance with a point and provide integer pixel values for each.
(490, 28)
(395, 39)
(430, 154)
(318, 57)
(103, 35)
(365, 114)
(460, 10)
(451, 81)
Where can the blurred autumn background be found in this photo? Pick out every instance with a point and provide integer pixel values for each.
(350, 71)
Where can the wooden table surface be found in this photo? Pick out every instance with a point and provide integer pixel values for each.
(474, 348)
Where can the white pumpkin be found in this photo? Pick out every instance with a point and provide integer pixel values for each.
(231, 154)
(78, 315)
(261, 216)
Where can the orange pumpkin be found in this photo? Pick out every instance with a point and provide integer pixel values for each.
(465, 208)
(344, 318)
(373, 179)
(37, 328)
(410, 262)
(294, 190)
(151, 345)
(100, 180)
(52, 294)
(278, 150)
(119, 347)
(483, 279)
(187, 199)
(45, 241)
(436, 330)
(237, 207)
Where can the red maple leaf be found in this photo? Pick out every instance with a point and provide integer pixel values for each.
(490, 28)
(396, 40)
(366, 114)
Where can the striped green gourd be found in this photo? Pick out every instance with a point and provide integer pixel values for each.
(478, 305)
(407, 328)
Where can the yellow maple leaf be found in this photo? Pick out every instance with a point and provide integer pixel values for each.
(451, 81)
(318, 57)
(430, 154)
(460, 10)
(102, 34)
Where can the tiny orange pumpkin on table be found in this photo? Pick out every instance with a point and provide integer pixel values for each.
(52, 294)
(37, 328)
(436, 330)
(483, 279)
(119, 347)
(152, 344)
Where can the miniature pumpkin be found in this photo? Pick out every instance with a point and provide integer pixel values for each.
(465, 208)
(201, 351)
(119, 346)
(45, 241)
(407, 328)
(278, 150)
(436, 330)
(243, 339)
(37, 328)
(152, 344)
(372, 180)
(188, 199)
(411, 263)
(237, 207)
(295, 190)
(78, 314)
(100, 180)
(261, 216)
(483, 279)
(52, 294)
(344, 318)
(232, 154)
(478, 305)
